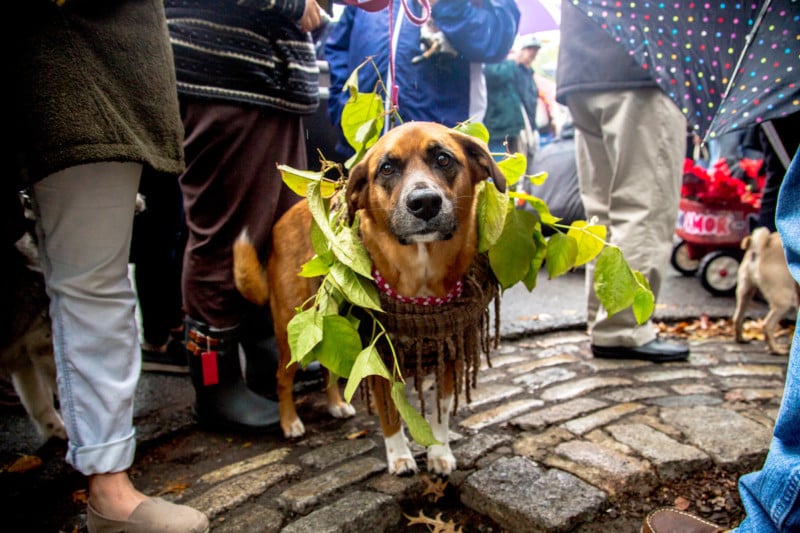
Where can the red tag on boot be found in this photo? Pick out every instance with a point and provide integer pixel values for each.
(209, 363)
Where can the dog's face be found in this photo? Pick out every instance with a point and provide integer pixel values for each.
(417, 182)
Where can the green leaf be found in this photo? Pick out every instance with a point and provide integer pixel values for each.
(644, 302)
(473, 129)
(589, 238)
(368, 363)
(561, 253)
(305, 332)
(538, 178)
(316, 266)
(340, 345)
(349, 249)
(356, 289)
(360, 110)
(511, 256)
(614, 283)
(513, 167)
(492, 210)
(532, 276)
(418, 427)
(298, 181)
(538, 205)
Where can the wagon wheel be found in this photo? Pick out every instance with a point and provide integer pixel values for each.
(718, 271)
(681, 261)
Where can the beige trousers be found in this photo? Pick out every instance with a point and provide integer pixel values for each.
(630, 147)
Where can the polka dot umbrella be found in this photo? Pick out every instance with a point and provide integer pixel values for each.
(727, 64)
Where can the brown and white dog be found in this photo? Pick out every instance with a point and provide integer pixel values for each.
(763, 268)
(415, 190)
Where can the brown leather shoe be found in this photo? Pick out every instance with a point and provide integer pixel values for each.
(669, 520)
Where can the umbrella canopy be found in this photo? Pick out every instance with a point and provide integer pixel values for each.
(726, 65)
(538, 15)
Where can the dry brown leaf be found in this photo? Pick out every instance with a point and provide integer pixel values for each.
(435, 488)
(358, 434)
(80, 496)
(435, 525)
(24, 463)
(682, 503)
(173, 488)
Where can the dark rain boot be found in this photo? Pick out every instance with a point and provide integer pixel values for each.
(222, 399)
(262, 358)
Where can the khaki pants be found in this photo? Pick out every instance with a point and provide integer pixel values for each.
(630, 147)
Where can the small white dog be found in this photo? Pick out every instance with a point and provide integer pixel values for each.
(764, 269)
(26, 348)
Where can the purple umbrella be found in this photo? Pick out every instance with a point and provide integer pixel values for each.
(726, 65)
(537, 15)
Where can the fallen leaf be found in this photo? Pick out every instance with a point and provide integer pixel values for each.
(80, 496)
(173, 488)
(682, 503)
(434, 487)
(435, 525)
(358, 434)
(24, 463)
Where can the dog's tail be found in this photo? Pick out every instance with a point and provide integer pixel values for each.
(249, 274)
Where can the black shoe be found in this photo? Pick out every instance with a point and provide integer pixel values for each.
(172, 361)
(656, 351)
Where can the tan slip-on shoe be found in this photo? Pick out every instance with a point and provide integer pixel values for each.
(154, 515)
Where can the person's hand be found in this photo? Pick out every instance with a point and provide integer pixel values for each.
(311, 16)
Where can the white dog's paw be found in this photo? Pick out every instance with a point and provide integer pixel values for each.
(342, 410)
(398, 456)
(441, 460)
(294, 430)
(51, 425)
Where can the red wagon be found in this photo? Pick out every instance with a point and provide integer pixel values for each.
(709, 242)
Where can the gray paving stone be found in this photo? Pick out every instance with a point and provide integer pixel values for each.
(545, 377)
(604, 467)
(752, 395)
(489, 393)
(687, 400)
(499, 414)
(656, 376)
(693, 388)
(670, 458)
(557, 413)
(236, 490)
(301, 496)
(530, 366)
(725, 435)
(632, 394)
(606, 365)
(247, 465)
(336, 452)
(579, 426)
(357, 512)
(748, 370)
(473, 448)
(255, 519)
(581, 386)
(523, 497)
(537, 446)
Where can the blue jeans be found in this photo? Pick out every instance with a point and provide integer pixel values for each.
(771, 496)
(84, 224)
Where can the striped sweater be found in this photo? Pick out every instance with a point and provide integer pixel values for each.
(249, 51)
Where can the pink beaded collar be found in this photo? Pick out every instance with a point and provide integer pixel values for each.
(387, 289)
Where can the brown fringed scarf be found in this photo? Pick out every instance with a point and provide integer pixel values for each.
(425, 338)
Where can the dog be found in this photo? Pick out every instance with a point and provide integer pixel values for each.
(26, 346)
(764, 269)
(415, 191)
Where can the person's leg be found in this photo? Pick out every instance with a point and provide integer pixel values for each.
(630, 178)
(771, 496)
(84, 221)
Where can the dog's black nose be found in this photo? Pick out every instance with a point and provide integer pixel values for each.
(424, 203)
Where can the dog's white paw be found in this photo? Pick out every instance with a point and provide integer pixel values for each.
(294, 430)
(342, 410)
(398, 456)
(51, 425)
(441, 460)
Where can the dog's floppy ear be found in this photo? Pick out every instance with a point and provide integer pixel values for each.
(482, 164)
(746, 242)
(357, 188)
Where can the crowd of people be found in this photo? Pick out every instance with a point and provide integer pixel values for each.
(191, 104)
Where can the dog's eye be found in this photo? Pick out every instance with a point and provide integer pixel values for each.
(386, 169)
(444, 160)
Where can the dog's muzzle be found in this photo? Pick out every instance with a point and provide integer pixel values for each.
(424, 215)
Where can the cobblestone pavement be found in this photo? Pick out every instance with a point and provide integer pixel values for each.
(552, 440)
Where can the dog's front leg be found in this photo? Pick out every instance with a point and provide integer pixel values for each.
(440, 459)
(398, 455)
(37, 398)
